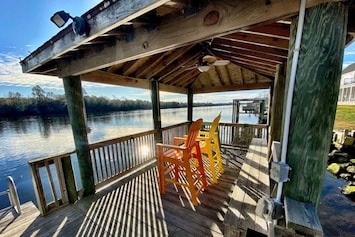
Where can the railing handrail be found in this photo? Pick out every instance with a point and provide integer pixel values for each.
(131, 136)
(121, 139)
(175, 125)
(244, 125)
(51, 157)
(13, 195)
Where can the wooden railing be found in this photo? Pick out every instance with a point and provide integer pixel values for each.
(239, 135)
(53, 177)
(114, 157)
(110, 159)
(47, 174)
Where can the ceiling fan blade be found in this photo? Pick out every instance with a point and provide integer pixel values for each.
(190, 67)
(221, 62)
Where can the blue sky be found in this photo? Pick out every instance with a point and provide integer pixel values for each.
(25, 25)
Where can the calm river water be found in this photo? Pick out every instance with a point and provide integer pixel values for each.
(34, 137)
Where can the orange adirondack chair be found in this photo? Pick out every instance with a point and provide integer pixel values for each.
(180, 165)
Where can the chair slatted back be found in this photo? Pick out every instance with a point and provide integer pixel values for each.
(214, 125)
(193, 132)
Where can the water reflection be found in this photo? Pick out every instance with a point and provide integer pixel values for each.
(336, 211)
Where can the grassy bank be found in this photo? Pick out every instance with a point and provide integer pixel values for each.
(345, 117)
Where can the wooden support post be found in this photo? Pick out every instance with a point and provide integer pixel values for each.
(190, 99)
(276, 112)
(156, 110)
(69, 179)
(315, 98)
(235, 117)
(73, 94)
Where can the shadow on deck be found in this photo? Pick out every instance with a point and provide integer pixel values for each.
(135, 208)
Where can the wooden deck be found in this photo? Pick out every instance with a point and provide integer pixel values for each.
(134, 208)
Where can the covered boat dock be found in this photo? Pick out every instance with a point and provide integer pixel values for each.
(293, 48)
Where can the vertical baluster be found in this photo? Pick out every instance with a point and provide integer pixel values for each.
(123, 155)
(104, 162)
(148, 141)
(99, 152)
(134, 153)
(129, 154)
(119, 157)
(114, 158)
(94, 162)
(108, 161)
(141, 150)
(138, 143)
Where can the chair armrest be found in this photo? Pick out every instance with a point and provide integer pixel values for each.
(161, 145)
(179, 139)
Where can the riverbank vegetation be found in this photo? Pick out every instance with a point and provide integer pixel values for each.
(48, 103)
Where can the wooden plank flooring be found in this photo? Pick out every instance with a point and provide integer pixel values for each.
(134, 208)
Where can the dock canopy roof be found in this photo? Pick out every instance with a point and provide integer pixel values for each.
(134, 41)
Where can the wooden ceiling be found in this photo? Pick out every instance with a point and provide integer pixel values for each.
(254, 50)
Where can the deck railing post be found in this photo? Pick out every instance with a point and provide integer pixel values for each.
(190, 101)
(156, 110)
(69, 179)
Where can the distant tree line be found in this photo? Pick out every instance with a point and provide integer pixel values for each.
(48, 103)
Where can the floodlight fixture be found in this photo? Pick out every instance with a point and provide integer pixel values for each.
(80, 25)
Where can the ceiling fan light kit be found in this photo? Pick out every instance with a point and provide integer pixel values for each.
(209, 59)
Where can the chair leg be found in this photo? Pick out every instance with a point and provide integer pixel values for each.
(218, 156)
(211, 163)
(191, 187)
(176, 172)
(201, 167)
(161, 176)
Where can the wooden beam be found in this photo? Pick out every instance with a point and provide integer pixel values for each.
(115, 79)
(273, 42)
(179, 31)
(250, 47)
(113, 16)
(119, 80)
(168, 60)
(273, 29)
(239, 87)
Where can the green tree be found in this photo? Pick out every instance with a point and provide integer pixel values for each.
(38, 93)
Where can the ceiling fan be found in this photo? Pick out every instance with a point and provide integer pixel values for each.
(207, 59)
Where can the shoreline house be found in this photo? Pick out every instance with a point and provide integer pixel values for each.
(347, 86)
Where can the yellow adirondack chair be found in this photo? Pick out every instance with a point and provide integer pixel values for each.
(210, 149)
(209, 145)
